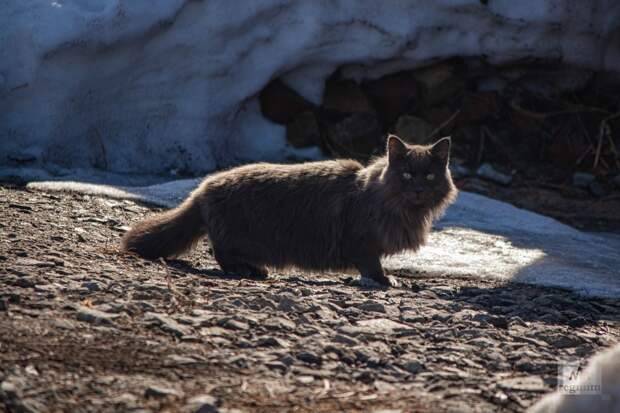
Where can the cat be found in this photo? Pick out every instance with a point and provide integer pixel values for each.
(327, 215)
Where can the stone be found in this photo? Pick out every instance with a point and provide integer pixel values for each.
(438, 83)
(160, 391)
(233, 324)
(303, 131)
(414, 130)
(276, 323)
(280, 103)
(345, 96)
(167, 324)
(357, 135)
(373, 326)
(92, 286)
(372, 306)
(309, 357)
(393, 95)
(525, 383)
(34, 263)
(487, 171)
(413, 366)
(583, 179)
(202, 404)
(271, 342)
(459, 171)
(93, 316)
(597, 189)
(476, 107)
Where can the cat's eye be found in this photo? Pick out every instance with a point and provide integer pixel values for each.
(407, 175)
(430, 177)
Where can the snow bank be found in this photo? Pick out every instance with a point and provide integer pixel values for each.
(155, 86)
(478, 237)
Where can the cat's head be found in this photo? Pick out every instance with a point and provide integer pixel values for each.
(419, 175)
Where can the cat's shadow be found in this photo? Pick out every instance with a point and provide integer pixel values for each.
(502, 304)
(188, 268)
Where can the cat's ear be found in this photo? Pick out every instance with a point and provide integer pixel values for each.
(396, 148)
(441, 149)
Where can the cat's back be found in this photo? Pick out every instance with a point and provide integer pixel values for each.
(325, 175)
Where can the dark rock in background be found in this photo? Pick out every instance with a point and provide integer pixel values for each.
(280, 103)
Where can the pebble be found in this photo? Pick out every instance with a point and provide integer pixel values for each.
(202, 404)
(93, 316)
(92, 286)
(372, 306)
(487, 171)
(159, 391)
(583, 179)
(309, 357)
(233, 324)
(167, 324)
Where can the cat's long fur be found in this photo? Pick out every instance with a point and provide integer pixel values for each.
(319, 215)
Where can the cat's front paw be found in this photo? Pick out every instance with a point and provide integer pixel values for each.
(375, 282)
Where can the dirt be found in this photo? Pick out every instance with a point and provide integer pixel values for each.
(86, 328)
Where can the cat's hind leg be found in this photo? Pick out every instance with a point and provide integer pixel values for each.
(232, 263)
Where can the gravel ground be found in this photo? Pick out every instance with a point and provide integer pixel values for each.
(86, 328)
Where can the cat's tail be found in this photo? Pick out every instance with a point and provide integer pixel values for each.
(167, 234)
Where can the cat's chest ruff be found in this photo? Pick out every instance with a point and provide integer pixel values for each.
(402, 233)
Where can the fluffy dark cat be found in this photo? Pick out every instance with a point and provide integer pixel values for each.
(331, 215)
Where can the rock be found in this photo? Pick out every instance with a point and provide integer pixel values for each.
(303, 130)
(159, 392)
(280, 103)
(4, 304)
(438, 83)
(202, 404)
(412, 366)
(167, 324)
(372, 306)
(233, 324)
(477, 107)
(526, 383)
(93, 316)
(373, 326)
(413, 130)
(34, 263)
(125, 399)
(583, 179)
(597, 189)
(345, 96)
(459, 171)
(357, 135)
(393, 95)
(290, 304)
(277, 323)
(309, 357)
(92, 286)
(487, 171)
(271, 342)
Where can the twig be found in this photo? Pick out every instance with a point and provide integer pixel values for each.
(544, 116)
(481, 147)
(603, 131)
(102, 147)
(443, 125)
